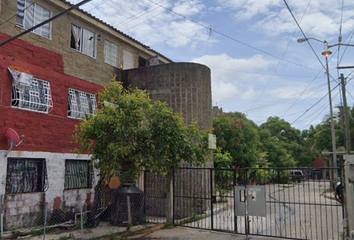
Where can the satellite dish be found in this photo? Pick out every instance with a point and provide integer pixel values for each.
(12, 137)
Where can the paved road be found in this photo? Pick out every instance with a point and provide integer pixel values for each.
(183, 233)
(292, 211)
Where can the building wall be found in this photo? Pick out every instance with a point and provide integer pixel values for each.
(93, 69)
(27, 209)
(47, 136)
(186, 87)
(44, 132)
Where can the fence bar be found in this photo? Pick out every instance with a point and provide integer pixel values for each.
(1, 216)
(211, 202)
(45, 219)
(129, 213)
(82, 223)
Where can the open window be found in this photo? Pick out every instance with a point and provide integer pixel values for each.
(78, 174)
(81, 104)
(83, 40)
(29, 14)
(25, 175)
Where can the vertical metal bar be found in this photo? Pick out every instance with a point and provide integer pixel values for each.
(173, 196)
(45, 220)
(145, 196)
(233, 199)
(129, 213)
(247, 229)
(309, 193)
(1, 216)
(211, 198)
(82, 223)
(332, 218)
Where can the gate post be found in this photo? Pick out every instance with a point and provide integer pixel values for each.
(169, 197)
(349, 196)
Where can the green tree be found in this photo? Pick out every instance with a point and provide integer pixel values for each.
(223, 174)
(130, 133)
(238, 136)
(285, 146)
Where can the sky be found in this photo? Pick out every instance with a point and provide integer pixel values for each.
(257, 66)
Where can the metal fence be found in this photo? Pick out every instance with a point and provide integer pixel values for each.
(288, 203)
(107, 212)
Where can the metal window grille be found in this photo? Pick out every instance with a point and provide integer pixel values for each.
(111, 53)
(78, 174)
(81, 104)
(30, 14)
(26, 175)
(36, 97)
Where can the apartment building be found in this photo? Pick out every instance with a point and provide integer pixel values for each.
(49, 82)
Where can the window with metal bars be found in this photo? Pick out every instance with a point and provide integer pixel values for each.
(81, 104)
(25, 175)
(35, 96)
(78, 174)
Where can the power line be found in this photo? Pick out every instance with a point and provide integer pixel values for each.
(258, 73)
(314, 105)
(303, 33)
(15, 15)
(231, 38)
(44, 22)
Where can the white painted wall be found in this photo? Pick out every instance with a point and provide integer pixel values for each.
(55, 164)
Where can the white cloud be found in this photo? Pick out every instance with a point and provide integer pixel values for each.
(317, 18)
(232, 77)
(151, 22)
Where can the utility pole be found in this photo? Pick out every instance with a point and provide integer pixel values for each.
(346, 115)
(45, 22)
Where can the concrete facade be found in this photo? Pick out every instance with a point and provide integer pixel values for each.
(93, 69)
(28, 209)
(185, 87)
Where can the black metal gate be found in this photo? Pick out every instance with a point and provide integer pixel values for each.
(287, 203)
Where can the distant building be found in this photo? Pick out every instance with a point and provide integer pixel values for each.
(217, 111)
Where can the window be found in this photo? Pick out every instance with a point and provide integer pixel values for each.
(78, 174)
(83, 40)
(30, 14)
(26, 175)
(33, 95)
(111, 55)
(128, 60)
(142, 62)
(81, 104)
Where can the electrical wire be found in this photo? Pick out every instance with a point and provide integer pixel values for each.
(15, 14)
(303, 33)
(232, 38)
(314, 105)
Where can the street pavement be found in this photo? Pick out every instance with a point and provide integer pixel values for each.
(184, 233)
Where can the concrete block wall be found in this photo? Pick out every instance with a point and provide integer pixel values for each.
(27, 209)
(50, 132)
(77, 64)
(185, 87)
(47, 136)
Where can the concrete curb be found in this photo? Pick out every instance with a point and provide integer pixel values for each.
(131, 233)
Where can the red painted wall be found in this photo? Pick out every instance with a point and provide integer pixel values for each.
(44, 132)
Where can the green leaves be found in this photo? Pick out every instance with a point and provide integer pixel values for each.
(238, 136)
(129, 128)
